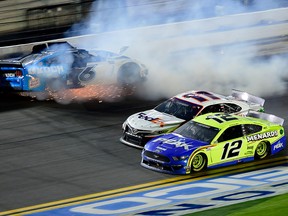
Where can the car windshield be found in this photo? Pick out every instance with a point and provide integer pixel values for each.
(178, 108)
(197, 131)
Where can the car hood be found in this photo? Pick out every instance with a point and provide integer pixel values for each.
(173, 144)
(153, 120)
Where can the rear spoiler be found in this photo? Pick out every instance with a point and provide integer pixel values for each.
(4, 63)
(241, 95)
(265, 116)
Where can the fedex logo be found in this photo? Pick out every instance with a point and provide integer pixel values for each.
(177, 143)
(151, 119)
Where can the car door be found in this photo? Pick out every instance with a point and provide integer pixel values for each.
(229, 146)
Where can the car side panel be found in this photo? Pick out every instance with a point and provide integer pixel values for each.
(227, 151)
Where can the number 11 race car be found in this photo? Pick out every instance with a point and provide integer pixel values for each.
(213, 140)
(170, 114)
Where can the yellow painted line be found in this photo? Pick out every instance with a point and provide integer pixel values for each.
(146, 186)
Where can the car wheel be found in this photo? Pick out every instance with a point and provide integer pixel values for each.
(199, 162)
(262, 150)
(87, 75)
(129, 73)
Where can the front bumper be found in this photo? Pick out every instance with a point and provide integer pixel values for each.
(134, 140)
(161, 164)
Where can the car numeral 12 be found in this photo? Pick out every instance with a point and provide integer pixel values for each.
(220, 118)
(231, 149)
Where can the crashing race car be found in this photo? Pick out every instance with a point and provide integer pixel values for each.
(59, 65)
(213, 140)
(139, 128)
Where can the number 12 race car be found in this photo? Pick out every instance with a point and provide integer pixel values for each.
(167, 116)
(213, 140)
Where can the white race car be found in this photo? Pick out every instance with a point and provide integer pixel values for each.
(170, 114)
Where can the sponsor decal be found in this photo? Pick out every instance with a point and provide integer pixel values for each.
(250, 147)
(9, 75)
(278, 145)
(151, 119)
(34, 83)
(249, 153)
(261, 136)
(45, 70)
(177, 143)
(160, 149)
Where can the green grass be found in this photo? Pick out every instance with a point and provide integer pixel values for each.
(276, 205)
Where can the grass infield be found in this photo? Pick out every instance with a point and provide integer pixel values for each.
(269, 206)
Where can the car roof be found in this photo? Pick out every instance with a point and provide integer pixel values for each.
(203, 98)
(217, 120)
(53, 46)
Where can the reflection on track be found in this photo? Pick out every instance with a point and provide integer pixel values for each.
(51, 152)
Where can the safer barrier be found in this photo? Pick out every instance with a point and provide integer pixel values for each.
(190, 34)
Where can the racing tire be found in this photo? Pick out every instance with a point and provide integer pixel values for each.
(262, 150)
(199, 162)
(129, 74)
(86, 76)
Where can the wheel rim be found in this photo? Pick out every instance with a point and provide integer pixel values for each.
(198, 162)
(87, 76)
(261, 149)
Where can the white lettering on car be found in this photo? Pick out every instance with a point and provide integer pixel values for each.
(9, 75)
(278, 145)
(261, 136)
(177, 143)
(44, 70)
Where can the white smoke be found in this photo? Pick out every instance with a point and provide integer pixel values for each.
(171, 68)
(217, 72)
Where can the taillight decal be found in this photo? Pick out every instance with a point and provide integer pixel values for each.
(18, 73)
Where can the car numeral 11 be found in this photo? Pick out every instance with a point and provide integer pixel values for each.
(231, 149)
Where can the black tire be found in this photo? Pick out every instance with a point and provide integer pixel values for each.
(199, 162)
(129, 74)
(262, 150)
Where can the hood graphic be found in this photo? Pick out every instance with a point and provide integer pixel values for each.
(153, 120)
(171, 144)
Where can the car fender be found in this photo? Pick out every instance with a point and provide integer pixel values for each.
(202, 149)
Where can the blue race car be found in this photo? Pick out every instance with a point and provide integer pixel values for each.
(58, 65)
(213, 140)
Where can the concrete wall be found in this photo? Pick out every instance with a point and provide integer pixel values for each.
(187, 35)
(19, 15)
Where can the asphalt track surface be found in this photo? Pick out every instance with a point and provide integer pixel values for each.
(50, 152)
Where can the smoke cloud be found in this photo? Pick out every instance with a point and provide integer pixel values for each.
(174, 69)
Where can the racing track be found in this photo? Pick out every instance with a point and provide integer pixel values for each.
(50, 152)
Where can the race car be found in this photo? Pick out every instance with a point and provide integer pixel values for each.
(58, 65)
(215, 139)
(139, 128)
